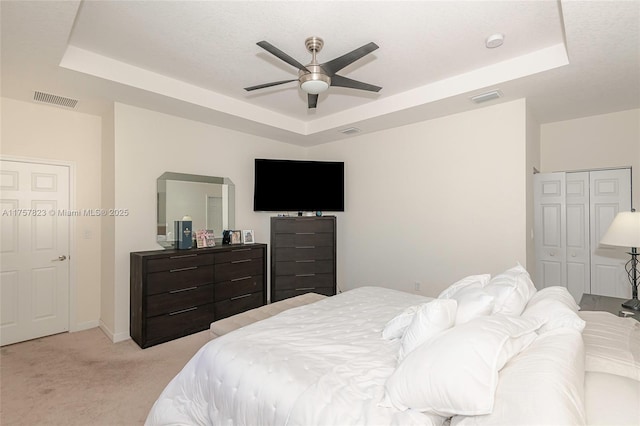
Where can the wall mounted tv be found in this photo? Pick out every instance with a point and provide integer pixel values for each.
(300, 186)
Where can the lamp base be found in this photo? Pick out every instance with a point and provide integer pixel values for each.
(633, 304)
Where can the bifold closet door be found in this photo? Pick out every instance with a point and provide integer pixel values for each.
(573, 210)
(549, 229)
(610, 193)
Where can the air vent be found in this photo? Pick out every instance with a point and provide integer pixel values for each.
(350, 131)
(48, 98)
(485, 97)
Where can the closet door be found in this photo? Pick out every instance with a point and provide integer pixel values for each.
(549, 229)
(610, 193)
(578, 252)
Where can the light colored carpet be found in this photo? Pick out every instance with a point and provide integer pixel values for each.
(83, 378)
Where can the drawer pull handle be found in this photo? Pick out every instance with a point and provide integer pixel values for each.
(305, 233)
(183, 256)
(183, 311)
(191, 268)
(305, 275)
(182, 289)
(241, 279)
(241, 297)
(244, 249)
(305, 261)
(306, 247)
(241, 261)
(305, 288)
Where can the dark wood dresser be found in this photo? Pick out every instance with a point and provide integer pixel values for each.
(303, 256)
(178, 292)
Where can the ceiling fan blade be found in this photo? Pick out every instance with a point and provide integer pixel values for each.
(340, 81)
(313, 100)
(335, 65)
(262, 86)
(281, 55)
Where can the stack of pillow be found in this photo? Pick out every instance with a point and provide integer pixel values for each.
(453, 348)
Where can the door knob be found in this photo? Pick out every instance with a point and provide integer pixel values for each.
(60, 258)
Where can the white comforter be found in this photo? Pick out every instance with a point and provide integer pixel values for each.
(329, 367)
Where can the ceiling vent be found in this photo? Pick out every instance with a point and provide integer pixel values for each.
(350, 131)
(485, 97)
(48, 98)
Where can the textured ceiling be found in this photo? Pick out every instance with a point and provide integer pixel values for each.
(192, 59)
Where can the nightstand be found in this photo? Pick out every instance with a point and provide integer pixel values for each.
(594, 302)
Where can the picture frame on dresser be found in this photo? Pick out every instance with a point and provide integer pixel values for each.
(247, 236)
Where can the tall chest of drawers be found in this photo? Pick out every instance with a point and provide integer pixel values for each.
(178, 292)
(303, 256)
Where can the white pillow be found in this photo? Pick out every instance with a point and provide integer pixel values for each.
(556, 308)
(561, 294)
(474, 281)
(431, 318)
(472, 302)
(395, 328)
(512, 289)
(543, 385)
(457, 371)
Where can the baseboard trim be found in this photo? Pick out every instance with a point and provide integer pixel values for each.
(83, 326)
(114, 337)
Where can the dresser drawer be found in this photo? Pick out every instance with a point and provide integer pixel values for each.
(179, 261)
(178, 300)
(230, 307)
(292, 282)
(286, 294)
(239, 254)
(178, 279)
(170, 326)
(303, 226)
(303, 253)
(239, 269)
(234, 289)
(304, 240)
(302, 267)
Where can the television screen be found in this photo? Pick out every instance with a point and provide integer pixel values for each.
(302, 186)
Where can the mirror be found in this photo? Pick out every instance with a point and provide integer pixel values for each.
(209, 200)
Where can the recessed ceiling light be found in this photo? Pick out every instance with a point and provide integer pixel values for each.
(494, 40)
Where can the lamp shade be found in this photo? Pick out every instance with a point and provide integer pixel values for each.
(624, 230)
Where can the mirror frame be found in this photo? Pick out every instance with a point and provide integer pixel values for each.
(161, 200)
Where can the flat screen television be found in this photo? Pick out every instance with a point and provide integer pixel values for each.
(300, 186)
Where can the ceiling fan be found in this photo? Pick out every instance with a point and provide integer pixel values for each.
(315, 78)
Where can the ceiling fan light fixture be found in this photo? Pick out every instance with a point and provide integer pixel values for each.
(314, 83)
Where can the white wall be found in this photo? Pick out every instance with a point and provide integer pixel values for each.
(433, 201)
(148, 144)
(596, 142)
(53, 133)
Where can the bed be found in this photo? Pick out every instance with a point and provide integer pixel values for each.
(486, 351)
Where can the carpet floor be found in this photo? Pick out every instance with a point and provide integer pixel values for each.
(84, 379)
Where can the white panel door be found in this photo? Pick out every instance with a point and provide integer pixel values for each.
(34, 250)
(549, 229)
(610, 194)
(578, 247)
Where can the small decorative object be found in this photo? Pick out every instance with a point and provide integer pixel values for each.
(226, 236)
(247, 236)
(183, 230)
(205, 238)
(236, 237)
(624, 231)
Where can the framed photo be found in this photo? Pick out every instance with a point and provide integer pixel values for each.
(205, 238)
(236, 237)
(247, 236)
